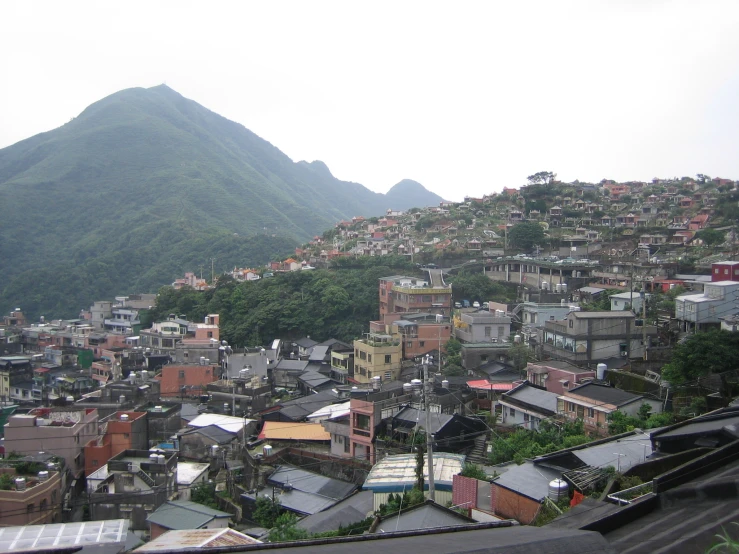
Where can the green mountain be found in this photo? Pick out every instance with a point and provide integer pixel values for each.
(146, 184)
(408, 194)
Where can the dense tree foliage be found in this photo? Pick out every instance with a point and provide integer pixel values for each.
(702, 354)
(525, 235)
(523, 444)
(144, 185)
(205, 494)
(320, 303)
(477, 287)
(711, 237)
(266, 511)
(619, 422)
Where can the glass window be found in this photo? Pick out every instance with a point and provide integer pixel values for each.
(388, 358)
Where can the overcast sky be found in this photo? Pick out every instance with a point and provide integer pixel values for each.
(464, 97)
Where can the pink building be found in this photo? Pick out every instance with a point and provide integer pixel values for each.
(63, 432)
(557, 376)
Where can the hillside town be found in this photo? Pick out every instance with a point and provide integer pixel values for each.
(570, 413)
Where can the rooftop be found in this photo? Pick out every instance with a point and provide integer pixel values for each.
(288, 430)
(197, 538)
(395, 472)
(604, 394)
(230, 424)
(64, 535)
(183, 514)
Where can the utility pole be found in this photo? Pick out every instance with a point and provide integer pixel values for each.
(644, 321)
(212, 270)
(429, 438)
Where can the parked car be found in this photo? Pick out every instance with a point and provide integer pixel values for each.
(457, 304)
(466, 303)
(475, 304)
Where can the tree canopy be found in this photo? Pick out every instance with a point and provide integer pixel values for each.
(701, 354)
(525, 235)
(541, 178)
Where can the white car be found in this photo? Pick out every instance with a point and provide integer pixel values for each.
(475, 304)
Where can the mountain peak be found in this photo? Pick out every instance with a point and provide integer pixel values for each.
(412, 193)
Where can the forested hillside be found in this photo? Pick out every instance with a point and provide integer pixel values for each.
(146, 184)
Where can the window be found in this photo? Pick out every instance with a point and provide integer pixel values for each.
(501, 331)
(409, 344)
(347, 444)
(591, 413)
(388, 358)
(369, 357)
(181, 374)
(362, 421)
(511, 412)
(488, 331)
(525, 417)
(570, 407)
(94, 463)
(210, 334)
(126, 435)
(572, 323)
(422, 343)
(30, 508)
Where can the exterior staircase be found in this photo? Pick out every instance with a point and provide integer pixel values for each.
(478, 455)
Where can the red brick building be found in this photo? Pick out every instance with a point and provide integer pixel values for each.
(123, 431)
(186, 380)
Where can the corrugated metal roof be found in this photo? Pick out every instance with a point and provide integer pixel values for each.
(287, 430)
(399, 471)
(227, 423)
(197, 538)
(183, 514)
(482, 384)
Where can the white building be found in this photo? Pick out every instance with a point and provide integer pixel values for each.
(698, 311)
(627, 301)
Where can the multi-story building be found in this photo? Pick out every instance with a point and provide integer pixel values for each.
(63, 432)
(120, 431)
(409, 294)
(366, 416)
(163, 336)
(33, 500)
(342, 362)
(697, 312)
(482, 326)
(377, 355)
(13, 370)
(592, 337)
(190, 380)
(419, 333)
(132, 485)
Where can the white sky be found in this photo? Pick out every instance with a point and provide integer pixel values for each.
(464, 97)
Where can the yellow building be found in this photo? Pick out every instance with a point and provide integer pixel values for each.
(377, 355)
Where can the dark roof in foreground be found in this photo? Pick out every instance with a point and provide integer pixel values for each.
(477, 539)
(428, 515)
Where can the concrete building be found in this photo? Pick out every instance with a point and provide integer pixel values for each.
(377, 355)
(399, 293)
(628, 301)
(190, 475)
(121, 431)
(725, 271)
(592, 337)
(482, 326)
(697, 312)
(557, 376)
(367, 414)
(186, 380)
(33, 500)
(132, 485)
(63, 432)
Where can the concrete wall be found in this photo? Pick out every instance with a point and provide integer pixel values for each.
(45, 497)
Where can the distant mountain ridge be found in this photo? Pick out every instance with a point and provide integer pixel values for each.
(147, 171)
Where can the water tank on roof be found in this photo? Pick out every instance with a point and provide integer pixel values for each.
(153, 458)
(124, 417)
(376, 382)
(20, 483)
(407, 388)
(417, 384)
(122, 399)
(600, 371)
(564, 286)
(160, 458)
(157, 409)
(266, 450)
(544, 285)
(558, 489)
(43, 475)
(558, 288)
(517, 339)
(445, 384)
